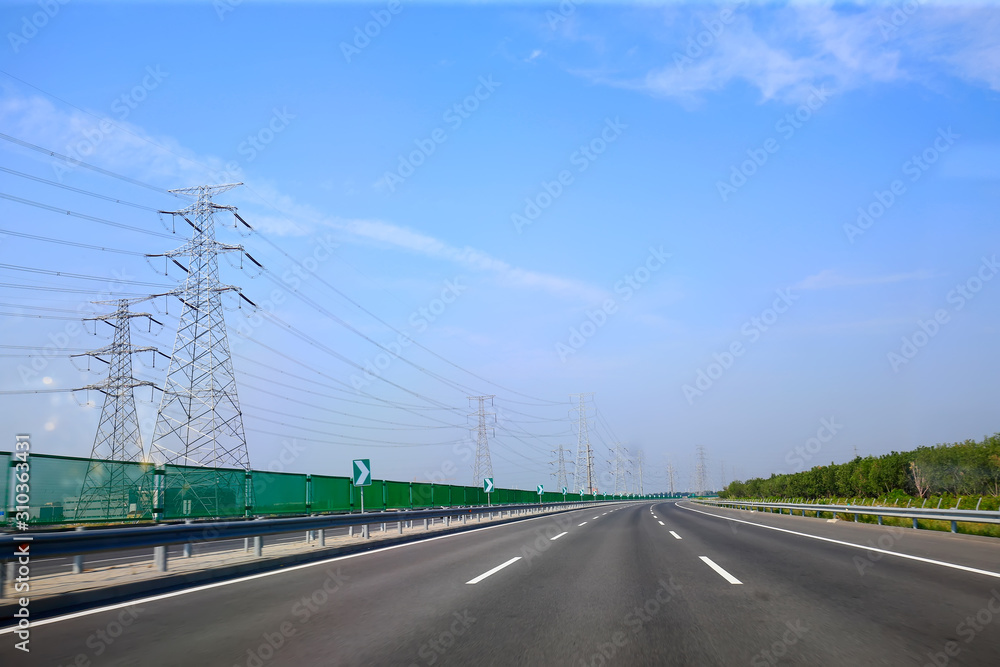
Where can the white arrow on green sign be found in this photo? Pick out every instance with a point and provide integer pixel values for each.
(564, 490)
(362, 472)
(488, 485)
(541, 488)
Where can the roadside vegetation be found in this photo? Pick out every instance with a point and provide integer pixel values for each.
(963, 475)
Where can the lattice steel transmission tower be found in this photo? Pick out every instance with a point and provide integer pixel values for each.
(700, 471)
(112, 491)
(560, 463)
(483, 466)
(670, 477)
(638, 463)
(619, 468)
(583, 474)
(199, 422)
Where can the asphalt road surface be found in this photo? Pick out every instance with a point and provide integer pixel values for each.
(640, 584)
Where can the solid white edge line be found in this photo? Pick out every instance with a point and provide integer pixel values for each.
(676, 536)
(722, 573)
(493, 571)
(660, 522)
(553, 539)
(260, 575)
(863, 547)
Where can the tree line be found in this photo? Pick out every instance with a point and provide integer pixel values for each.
(959, 469)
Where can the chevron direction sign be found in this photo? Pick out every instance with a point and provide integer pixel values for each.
(362, 472)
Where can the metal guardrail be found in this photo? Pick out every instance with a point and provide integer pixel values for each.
(81, 542)
(955, 516)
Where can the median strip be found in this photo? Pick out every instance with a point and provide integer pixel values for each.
(494, 570)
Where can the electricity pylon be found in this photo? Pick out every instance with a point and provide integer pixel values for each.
(670, 477)
(560, 463)
(483, 466)
(700, 471)
(199, 423)
(638, 459)
(619, 468)
(583, 475)
(108, 491)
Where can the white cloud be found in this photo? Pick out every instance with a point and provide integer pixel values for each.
(129, 149)
(784, 51)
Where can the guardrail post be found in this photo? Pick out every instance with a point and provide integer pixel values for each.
(426, 525)
(880, 520)
(400, 527)
(322, 537)
(447, 521)
(914, 523)
(954, 526)
(258, 545)
(187, 546)
(364, 531)
(78, 559)
(383, 526)
(350, 531)
(160, 558)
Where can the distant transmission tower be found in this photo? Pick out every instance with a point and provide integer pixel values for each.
(700, 471)
(670, 477)
(560, 463)
(108, 491)
(619, 468)
(199, 422)
(583, 474)
(483, 467)
(638, 463)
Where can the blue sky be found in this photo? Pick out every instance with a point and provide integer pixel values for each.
(740, 140)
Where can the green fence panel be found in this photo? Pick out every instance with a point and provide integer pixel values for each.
(423, 494)
(279, 493)
(397, 495)
(331, 494)
(442, 495)
(374, 496)
(65, 489)
(191, 491)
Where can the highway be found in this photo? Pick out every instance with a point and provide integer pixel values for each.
(653, 583)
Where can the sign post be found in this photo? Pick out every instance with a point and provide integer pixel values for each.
(488, 489)
(362, 477)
